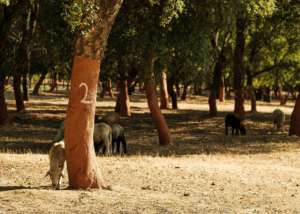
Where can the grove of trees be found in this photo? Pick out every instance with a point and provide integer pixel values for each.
(245, 49)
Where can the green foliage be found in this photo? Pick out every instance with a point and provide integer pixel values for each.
(5, 2)
(186, 36)
(73, 12)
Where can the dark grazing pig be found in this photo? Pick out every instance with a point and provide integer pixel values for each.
(109, 118)
(233, 121)
(118, 137)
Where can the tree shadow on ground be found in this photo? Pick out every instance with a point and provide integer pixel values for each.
(193, 132)
(14, 188)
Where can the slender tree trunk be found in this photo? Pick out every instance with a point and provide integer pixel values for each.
(3, 106)
(79, 125)
(215, 85)
(177, 89)
(251, 92)
(131, 86)
(222, 91)
(195, 88)
(159, 120)
(253, 99)
(109, 88)
(123, 101)
(103, 91)
(164, 96)
(184, 91)
(267, 94)
(53, 85)
(173, 94)
(238, 67)
(141, 87)
(29, 26)
(39, 83)
(295, 118)
(18, 93)
(25, 87)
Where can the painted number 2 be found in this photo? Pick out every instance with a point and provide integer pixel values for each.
(86, 90)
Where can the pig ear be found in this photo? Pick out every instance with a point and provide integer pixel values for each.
(48, 173)
(62, 175)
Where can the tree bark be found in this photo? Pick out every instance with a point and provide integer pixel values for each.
(216, 84)
(158, 118)
(24, 58)
(164, 96)
(222, 91)
(3, 105)
(173, 94)
(238, 67)
(25, 87)
(253, 99)
(18, 93)
(79, 125)
(295, 118)
(39, 83)
(123, 100)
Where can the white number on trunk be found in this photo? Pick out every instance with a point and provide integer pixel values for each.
(86, 90)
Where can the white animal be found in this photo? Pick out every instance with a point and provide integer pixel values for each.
(57, 158)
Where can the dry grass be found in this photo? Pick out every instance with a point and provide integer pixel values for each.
(204, 172)
(191, 184)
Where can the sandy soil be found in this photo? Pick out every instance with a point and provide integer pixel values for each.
(268, 183)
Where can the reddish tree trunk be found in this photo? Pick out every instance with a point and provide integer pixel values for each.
(283, 99)
(82, 167)
(79, 125)
(18, 93)
(159, 120)
(39, 83)
(123, 101)
(222, 91)
(3, 106)
(164, 96)
(212, 102)
(295, 118)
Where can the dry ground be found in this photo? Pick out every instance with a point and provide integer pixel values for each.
(204, 172)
